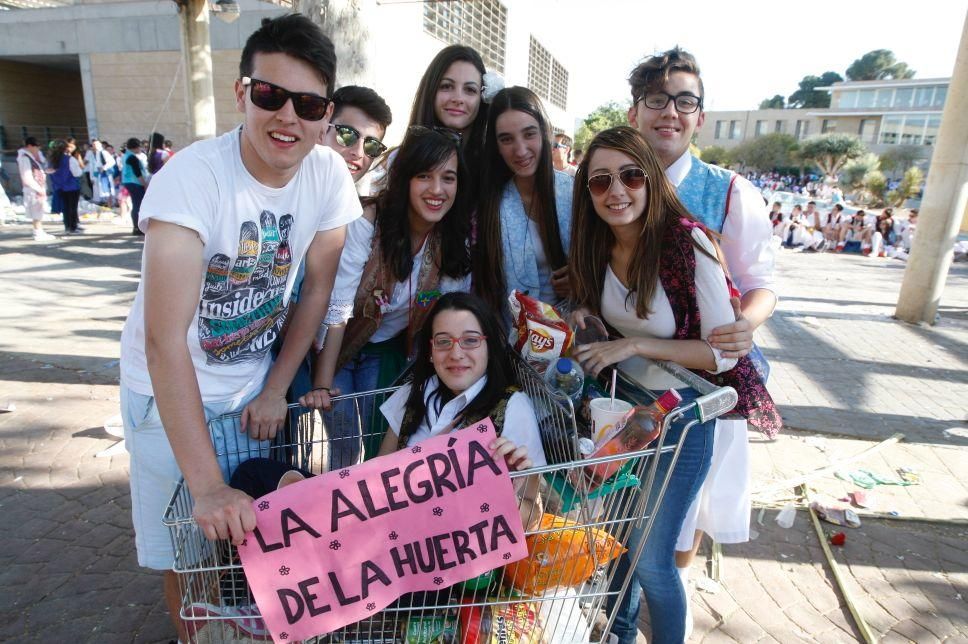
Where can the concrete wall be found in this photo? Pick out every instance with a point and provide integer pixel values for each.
(37, 95)
(130, 90)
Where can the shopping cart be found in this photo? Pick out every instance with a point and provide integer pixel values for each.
(557, 595)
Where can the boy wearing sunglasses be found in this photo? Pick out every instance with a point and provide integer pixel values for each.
(229, 221)
(360, 121)
(667, 109)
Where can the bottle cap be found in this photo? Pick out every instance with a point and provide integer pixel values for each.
(669, 400)
(563, 365)
(586, 446)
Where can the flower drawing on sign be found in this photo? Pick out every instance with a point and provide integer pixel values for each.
(416, 449)
(264, 505)
(335, 545)
(482, 428)
(485, 507)
(438, 512)
(370, 606)
(344, 473)
(284, 570)
(284, 635)
(438, 581)
(393, 536)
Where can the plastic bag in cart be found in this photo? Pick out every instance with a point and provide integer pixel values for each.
(539, 334)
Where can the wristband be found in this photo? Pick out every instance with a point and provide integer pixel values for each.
(326, 389)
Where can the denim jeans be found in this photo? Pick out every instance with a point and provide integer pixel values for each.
(655, 573)
(344, 426)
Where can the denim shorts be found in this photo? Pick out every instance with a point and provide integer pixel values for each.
(154, 474)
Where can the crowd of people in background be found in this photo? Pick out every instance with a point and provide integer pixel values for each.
(55, 178)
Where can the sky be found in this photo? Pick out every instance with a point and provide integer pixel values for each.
(747, 50)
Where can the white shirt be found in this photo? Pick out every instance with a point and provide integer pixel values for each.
(747, 231)
(520, 423)
(396, 314)
(714, 310)
(255, 238)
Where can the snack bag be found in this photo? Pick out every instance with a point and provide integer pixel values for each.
(562, 557)
(430, 629)
(517, 623)
(539, 333)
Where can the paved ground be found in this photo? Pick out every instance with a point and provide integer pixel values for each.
(843, 370)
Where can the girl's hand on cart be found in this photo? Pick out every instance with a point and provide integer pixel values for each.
(224, 513)
(263, 417)
(734, 340)
(319, 398)
(515, 455)
(596, 356)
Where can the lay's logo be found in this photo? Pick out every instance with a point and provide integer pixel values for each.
(540, 341)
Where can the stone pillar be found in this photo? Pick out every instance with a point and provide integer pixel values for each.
(87, 87)
(945, 199)
(197, 52)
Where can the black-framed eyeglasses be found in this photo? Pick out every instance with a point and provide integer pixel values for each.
(348, 136)
(631, 178)
(468, 342)
(266, 96)
(453, 135)
(685, 102)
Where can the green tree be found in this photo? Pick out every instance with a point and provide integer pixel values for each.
(610, 114)
(879, 64)
(853, 173)
(767, 152)
(909, 187)
(716, 155)
(775, 103)
(831, 151)
(875, 185)
(900, 157)
(809, 96)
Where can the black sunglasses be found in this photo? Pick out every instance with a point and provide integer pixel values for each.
(348, 136)
(631, 178)
(266, 96)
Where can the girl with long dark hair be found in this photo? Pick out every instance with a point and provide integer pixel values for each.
(524, 219)
(66, 171)
(413, 237)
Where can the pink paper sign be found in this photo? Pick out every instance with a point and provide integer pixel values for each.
(339, 547)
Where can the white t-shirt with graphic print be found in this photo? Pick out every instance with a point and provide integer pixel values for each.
(255, 238)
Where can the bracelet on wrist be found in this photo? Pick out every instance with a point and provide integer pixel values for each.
(326, 389)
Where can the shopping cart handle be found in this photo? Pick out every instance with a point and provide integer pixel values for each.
(716, 403)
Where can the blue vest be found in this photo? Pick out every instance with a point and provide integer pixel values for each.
(62, 179)
(704, 192)
(127, 174)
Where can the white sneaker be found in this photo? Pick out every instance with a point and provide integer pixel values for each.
(43, 235)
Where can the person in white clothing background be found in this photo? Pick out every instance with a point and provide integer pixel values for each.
(667, 93)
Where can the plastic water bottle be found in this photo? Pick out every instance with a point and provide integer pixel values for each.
(567, 377)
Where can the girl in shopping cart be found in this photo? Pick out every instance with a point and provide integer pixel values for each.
(461, 374)
(652, 272)
(394, 266)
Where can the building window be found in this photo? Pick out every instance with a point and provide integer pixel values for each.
(735, 131)
(912, 133)
(719, 129)
(848, 99)
(780, 127)
(903, 96)
(866, 97)
(890, 129)
(829, 125)
(884, 97)
(760, 128)
(546, 76)
(559, 85)
(481, 24)
(931, 131)
(802, 130)
(867, 130)
(940, 94)
(923, 96)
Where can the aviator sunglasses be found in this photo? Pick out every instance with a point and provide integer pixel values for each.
(348, 136)
(631, 178)
(265, 95)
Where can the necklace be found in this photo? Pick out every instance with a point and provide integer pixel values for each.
(528, 243)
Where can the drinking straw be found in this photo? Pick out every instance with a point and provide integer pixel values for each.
(611, 404)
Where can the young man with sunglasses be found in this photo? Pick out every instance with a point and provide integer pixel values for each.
(667, 109)
(356, 130)
(228, 223)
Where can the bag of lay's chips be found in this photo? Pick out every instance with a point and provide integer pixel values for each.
(539, 335)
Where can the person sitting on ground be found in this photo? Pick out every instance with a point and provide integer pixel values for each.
(461, 375)
(814, 223)
(905, 231)
(854, 229)
(883, 238)
(776, 214)
(831, 229)
(793, 231)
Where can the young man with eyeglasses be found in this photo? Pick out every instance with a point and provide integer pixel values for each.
(559, 154)
(356, 130)
(228, 222)
(667, 109)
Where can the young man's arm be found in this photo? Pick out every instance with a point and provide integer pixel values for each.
(174, 266)
(263, 417)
